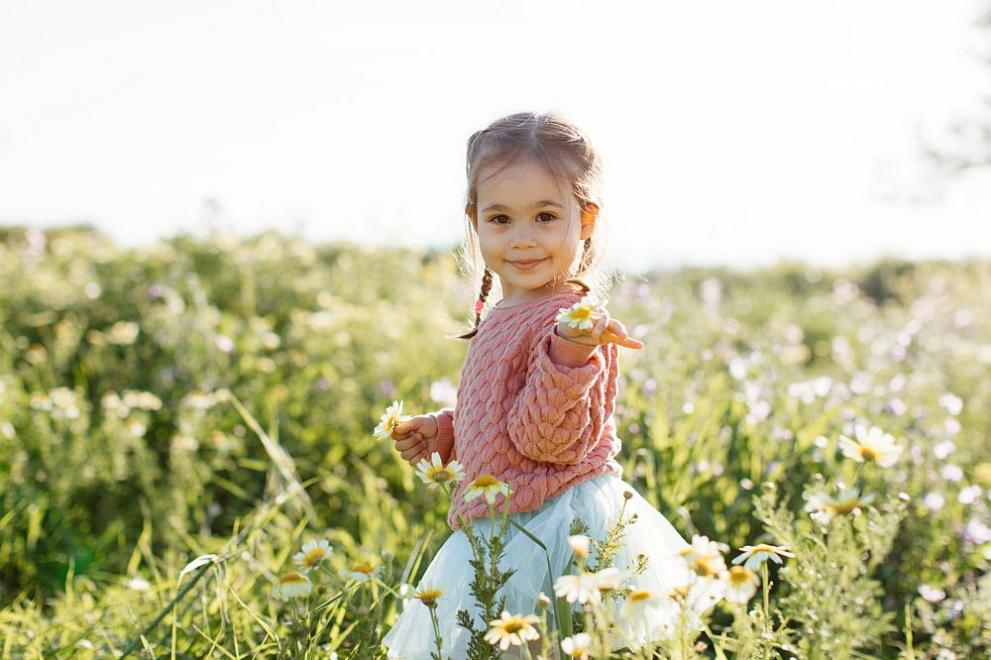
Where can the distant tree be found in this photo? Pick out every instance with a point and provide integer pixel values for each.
(968, 145)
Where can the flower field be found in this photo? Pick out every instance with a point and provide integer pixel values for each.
(190, 464)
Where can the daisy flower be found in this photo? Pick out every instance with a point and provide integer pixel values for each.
(428, 594)
(608, 579)
(577, 646)
(704, 557)
(313, 553)
(435, 473)
(755, 555)
(583, 588)
(579, 545)
(392, 416)
(361, 572)
(741, 584)
(488, 486)
(583, 314)
(292, 585)
(512, 629)
(823, 508)
(872, 444)
(637, 601)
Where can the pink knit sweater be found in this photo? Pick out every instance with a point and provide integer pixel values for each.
(533, 409)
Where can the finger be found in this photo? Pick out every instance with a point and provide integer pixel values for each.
(413, 452)
(617, 334)
(601, 325)
(407, 443)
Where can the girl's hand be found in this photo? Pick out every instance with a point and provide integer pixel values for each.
(415, 437)
(605, 331)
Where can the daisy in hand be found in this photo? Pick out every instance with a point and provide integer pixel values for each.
(587, 322)
(392, 417)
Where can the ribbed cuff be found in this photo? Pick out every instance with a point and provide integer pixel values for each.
(569, 353)
(445, 436)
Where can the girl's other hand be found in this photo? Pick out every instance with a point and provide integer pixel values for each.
(605, 331)
(415, 437)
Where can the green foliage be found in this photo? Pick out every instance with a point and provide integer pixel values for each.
(121, 460)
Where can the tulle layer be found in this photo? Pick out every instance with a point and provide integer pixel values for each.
(598, 503)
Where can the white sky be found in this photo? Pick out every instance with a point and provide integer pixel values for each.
(733, 133)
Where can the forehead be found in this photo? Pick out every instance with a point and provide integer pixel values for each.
(518, 184)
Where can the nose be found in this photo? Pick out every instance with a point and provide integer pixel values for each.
(523, 236)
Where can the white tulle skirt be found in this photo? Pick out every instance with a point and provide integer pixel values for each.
(598, 503)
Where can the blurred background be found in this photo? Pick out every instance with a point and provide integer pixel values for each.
(734, 134)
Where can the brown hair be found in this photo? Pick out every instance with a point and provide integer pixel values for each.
(554, 142)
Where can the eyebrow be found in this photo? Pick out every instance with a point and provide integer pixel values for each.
(503, 207)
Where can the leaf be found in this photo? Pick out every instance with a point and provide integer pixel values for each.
(202, 560)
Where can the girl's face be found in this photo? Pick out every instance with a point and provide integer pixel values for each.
(523, 215)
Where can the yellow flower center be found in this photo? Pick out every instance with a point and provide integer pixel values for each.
(362, 568)
(441, 475)
(842, 507)
(292, 578)
(638, 595)
(513, 625)
(704, 566)
(484, 481)
(314, 557)
(739, 575)
(868, 453)
(763, 547)
(429, 596)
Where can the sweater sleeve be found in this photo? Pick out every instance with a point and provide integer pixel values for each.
(559, 413)
(445, 435)
(443, 444)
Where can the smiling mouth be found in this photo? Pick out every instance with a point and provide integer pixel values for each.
(527, 264)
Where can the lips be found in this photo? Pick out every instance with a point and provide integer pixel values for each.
(526, 265)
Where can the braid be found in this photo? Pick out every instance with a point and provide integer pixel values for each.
(482, 295)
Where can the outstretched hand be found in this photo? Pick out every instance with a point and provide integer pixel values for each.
(604, 331)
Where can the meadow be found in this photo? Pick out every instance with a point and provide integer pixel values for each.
(178, 420)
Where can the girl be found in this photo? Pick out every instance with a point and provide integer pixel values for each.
(536, 396)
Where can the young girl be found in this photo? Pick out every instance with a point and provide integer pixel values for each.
(536, 396)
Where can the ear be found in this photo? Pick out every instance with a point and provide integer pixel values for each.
(589, 216)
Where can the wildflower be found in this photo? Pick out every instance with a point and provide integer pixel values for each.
(583, 314)
(822, 508)
(428, 594)
(577, 646)
(755, 555)
(872, 444)
(435, 472)
(138, 584)
(123, 333)
(741, 584)
(512, 629)
(608, 579)
(488, 486)
(637, 600)
(292, 585)
(361, 572)
(583, 588)
(579, 545)
(703, 556)
(312, 555)
(392, 416)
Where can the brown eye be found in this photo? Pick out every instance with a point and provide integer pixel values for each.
(551, 215)
(495, 218)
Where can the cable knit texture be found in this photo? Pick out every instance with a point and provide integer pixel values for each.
(534, 410)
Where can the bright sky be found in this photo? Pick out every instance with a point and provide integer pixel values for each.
(733, 133)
